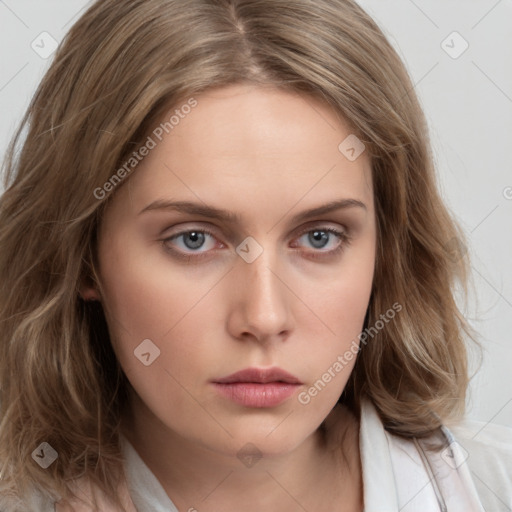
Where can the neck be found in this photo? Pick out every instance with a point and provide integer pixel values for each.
(323, 473)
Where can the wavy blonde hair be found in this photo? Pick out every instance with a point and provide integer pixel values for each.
(117, 71)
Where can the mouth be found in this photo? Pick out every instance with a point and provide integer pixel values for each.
(258, 388)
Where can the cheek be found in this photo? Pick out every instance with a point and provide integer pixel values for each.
(341, 295)
(330, 348)
(147, 294)
(331, 357)
(155, 325)
(146, 301)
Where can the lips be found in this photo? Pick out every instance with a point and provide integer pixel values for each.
(258, 388)
(260, 376)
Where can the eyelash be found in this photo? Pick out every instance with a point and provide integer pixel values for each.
(344, 237)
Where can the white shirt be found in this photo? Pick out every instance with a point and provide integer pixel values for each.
(473, 475)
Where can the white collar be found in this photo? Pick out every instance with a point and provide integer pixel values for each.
(400, 475)
(395, 479)
(145, 490)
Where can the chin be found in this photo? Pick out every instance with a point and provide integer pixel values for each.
(265, 442)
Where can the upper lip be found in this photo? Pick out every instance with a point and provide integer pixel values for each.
(259, 375)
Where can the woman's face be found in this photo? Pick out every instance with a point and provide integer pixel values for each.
(193, 296)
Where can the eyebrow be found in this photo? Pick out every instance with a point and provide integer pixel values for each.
(233, 218)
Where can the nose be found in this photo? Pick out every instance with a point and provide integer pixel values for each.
(260, 306)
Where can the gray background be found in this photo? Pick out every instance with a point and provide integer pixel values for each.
(468, 101)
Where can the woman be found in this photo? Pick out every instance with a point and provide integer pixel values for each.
(227, 274)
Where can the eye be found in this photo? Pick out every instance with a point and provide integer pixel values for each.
(187, 243)
(322, 237)
(191, 240)
(319, 238)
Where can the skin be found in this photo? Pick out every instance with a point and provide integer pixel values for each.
(266, 155)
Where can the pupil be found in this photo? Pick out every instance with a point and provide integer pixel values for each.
(197, 239)
(320, 236)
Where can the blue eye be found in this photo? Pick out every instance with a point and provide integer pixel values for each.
(319, 238)
(195, 239)
(192, 240)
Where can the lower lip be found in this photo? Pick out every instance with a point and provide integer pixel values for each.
(252, 394)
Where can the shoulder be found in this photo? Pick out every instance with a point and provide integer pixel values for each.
(467, 468)
(487, 449)
(483, 437)
(89, 499)
(92, 499)
(32, 502)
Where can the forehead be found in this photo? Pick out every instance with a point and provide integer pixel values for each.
(251, 148)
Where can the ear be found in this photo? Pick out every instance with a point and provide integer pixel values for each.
(88, 290)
